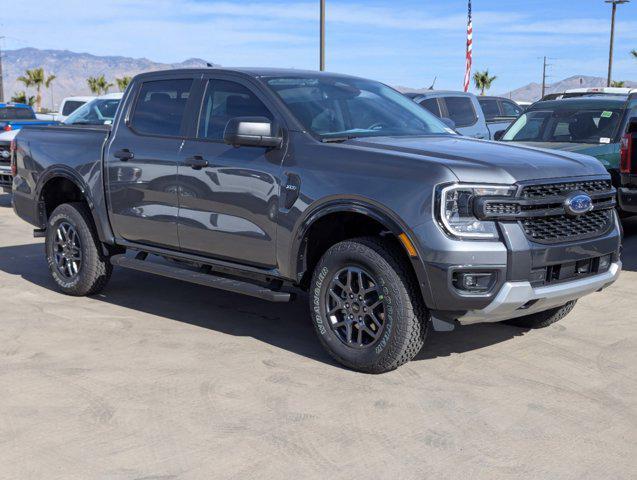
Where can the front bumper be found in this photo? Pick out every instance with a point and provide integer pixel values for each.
(514, 259)
(627, 198)
(512, 298)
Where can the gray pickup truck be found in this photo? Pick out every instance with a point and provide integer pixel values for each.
(269, 182)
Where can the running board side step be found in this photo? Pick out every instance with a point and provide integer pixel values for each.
(199, 278)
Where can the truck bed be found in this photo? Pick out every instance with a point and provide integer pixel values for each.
(74, 150)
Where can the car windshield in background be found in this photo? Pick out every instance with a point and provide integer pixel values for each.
(567, 126)
(13, 113)
(337, 108)
(95, 112)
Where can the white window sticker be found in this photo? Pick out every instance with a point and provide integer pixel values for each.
(604, 140)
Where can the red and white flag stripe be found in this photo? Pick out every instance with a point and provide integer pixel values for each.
(467, 73)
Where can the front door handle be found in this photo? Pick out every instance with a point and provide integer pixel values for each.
(196, 162)
(124, 155)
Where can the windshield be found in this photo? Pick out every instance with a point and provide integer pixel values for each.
(569, 126)
(347, 108)
(16, 113)
(96, 112)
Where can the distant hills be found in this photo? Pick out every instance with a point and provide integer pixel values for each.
(533, 91)
(72, 69)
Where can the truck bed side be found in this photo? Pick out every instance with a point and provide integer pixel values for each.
(74, 153)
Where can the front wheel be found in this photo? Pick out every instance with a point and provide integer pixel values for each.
(73, 251)
(366, 306)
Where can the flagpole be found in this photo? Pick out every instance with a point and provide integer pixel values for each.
(469, 52)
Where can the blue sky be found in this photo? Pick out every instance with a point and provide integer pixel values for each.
(401, 42)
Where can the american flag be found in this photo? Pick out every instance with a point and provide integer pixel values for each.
(467, 73)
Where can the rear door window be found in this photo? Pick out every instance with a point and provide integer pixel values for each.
(490, 108)
(225, 100)
(432, 105)
(461, 111)
(160, 107)
(510, 109)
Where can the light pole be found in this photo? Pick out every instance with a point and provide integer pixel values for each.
(612, 37)
(322, 48)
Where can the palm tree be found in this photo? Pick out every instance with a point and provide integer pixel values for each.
(617, 83)
(36, 78)
(483, 81)
(92, 85)
(123, 82)
(21, 97)
(98, 85)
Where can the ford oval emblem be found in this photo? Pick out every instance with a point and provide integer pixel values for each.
(578, 204)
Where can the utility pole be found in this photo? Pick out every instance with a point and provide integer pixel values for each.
(1, 82)
(544, 75)
(543, 78)
(322, 48)
(612, 37)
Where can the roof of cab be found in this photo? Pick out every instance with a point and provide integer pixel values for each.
(595, 101)
(248, 71)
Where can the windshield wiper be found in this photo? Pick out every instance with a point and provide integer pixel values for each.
(340, 139)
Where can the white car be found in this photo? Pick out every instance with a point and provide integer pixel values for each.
(67, 107)
(99, 111)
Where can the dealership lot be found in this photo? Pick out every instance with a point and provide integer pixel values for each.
(160, 379)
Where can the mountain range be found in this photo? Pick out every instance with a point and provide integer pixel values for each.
(533, 91)
(72, 69)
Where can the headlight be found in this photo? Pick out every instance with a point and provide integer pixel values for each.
(457, 213)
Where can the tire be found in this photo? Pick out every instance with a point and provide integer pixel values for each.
(543, 319)
(401, 319)
(92, 268)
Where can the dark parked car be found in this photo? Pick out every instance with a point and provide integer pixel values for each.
(592, 125)
(263, 181)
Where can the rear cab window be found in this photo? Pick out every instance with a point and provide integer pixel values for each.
(461, 111)
(160, 106)
(16, 113)
(70, 106)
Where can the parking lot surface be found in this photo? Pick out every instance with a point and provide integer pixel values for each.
(157, 379)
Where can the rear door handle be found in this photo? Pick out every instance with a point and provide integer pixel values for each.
(196, 162)
(124, 155)
(479, 136)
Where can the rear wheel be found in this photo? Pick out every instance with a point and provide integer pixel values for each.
(73, 251)
(366, 306)
(543, 319)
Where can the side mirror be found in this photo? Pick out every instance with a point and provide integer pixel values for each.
(252, 132)
(450, 123)
(498, 135)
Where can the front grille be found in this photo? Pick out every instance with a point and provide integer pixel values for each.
(561, 228)
(504, 208)
(560, 189)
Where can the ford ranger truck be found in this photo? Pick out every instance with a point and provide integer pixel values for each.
(269, 182)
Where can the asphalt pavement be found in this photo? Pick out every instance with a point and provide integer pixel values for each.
(158, 379)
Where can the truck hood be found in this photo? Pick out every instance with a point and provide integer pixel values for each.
(473, 160)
